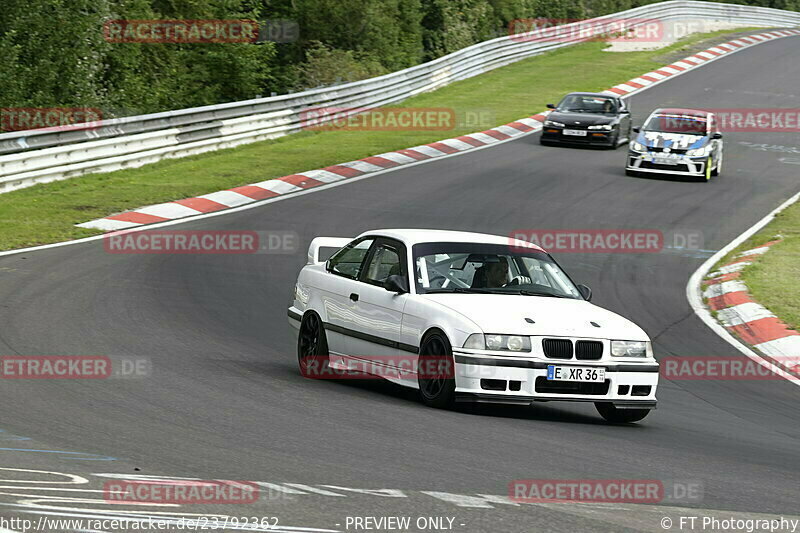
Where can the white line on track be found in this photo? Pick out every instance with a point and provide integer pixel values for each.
(695, 297)
(277, 186)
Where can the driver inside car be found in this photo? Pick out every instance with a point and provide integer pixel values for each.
(497, 273)
(493, 274)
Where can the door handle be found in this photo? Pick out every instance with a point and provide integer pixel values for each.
(354, 296)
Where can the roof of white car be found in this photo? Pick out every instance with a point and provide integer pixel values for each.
(415, 236)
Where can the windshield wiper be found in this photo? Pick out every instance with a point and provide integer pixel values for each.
(534, 293)
(466, 290)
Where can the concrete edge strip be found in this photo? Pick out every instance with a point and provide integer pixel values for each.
(294, 183)
(747, 319)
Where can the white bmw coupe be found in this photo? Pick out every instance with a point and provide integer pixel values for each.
(467, 317)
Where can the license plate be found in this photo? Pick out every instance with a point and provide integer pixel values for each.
(591, 374)
(665, 161)
(577, 133)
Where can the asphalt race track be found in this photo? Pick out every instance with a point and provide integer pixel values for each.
(225, 400)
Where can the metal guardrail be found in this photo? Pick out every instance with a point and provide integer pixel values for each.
(40, 156)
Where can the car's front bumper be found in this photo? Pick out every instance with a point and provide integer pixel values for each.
(592, 137)
(518, 380)
(684, 165)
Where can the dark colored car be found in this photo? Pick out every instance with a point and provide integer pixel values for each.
(588, 119)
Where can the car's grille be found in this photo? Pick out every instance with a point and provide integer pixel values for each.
(656, 166)
(571, 387)
(588, 350)
(672, 150)
(557, 348)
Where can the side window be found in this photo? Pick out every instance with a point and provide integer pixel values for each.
(384, 263)
(347, 262)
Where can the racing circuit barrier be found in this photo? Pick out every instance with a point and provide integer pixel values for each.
(40, 156)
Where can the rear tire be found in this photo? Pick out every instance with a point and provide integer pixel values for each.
(620, 416)
(312, 347)
(438, 390)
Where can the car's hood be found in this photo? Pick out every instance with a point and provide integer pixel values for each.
(580, 119)
(501, 313)
(673, 141)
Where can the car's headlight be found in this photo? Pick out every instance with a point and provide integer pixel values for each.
(636, 147)
(492, 341)
(631, 349)
(553, 123)
(607, 127)
(698, 151)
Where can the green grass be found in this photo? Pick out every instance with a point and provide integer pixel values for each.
(773, 279)
(48, 213)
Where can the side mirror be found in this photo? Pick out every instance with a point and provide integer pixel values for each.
(717, 135)
(636, 129)
(586, 292)
(551, 106)
(396, 283)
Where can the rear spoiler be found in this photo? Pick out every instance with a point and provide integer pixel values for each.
(325, 242)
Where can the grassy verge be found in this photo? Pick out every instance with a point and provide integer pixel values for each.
(47, 213)
(773, 279)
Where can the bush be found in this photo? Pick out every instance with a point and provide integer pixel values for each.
(52, 52)
(330, 66)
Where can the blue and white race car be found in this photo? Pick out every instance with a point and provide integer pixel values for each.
(677, 141)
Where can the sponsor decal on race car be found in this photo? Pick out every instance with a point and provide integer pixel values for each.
(681, 141)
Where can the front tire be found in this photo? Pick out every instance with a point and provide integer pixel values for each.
(438, 389)
(709, 164)
(620, 416)
(312, 347)
(718, 169)
(615, 142)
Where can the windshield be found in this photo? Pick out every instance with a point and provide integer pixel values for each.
(575, 103)
(686, 124)
(489, 268)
